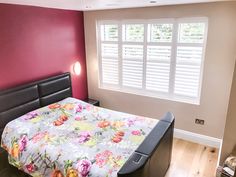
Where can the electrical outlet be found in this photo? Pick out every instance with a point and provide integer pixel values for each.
(199, 121)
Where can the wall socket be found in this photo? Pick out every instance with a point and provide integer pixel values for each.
(199, 121)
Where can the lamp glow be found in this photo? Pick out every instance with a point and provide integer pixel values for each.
(77, 68)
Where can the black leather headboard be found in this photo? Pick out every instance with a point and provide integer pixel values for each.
(18, 101)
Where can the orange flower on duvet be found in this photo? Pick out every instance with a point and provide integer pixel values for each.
(71, 173)
(57, 173)
(120, 133)
(103, 124)
(63, 118)
(118, 124)
(54, 106)
(60, 120)
(68, 106)
(15, 151)
(118, 137)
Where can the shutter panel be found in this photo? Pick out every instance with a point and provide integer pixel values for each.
(160, 32)
(158, 68)
(158, 57)
(132, 55)
(133, 32)
(110, 73)
(189, 59)
(109, 54)
(188, 67)
(109, 32)
(132, 65)
(191, 32)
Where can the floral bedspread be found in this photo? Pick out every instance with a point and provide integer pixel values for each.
(72, 138)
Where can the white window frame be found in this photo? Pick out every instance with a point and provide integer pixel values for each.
(143, 92)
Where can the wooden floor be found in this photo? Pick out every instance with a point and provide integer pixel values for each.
(188, 160)
(192, 160)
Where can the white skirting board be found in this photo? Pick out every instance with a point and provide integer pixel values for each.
(197, 138)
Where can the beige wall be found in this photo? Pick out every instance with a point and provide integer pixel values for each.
(218, 70)
(229, 140)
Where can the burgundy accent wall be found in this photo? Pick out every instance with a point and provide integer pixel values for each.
(40, 42)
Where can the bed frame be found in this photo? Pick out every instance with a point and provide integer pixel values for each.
(151, 159)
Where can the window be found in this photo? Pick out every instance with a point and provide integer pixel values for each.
(159, 58)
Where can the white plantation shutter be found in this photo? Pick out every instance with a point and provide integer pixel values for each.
(109, 54)
(132, 55)
(158, 57)
(189, 59)
(161, 58)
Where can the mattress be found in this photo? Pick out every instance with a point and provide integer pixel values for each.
(72, 138)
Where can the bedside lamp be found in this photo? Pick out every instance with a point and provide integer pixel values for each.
(77, 68)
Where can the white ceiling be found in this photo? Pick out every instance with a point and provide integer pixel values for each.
(86, 5)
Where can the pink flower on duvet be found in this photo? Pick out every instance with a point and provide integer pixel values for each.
(23, 143)
(88, 107)
(37, 137)
(79, 108)
(136, 132)
(102, 158)
(30, 115)
(84, 167)
(130, 122)
(78, 118)
(84, 136)
(30, 167)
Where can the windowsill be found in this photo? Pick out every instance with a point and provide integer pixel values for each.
(152, 95)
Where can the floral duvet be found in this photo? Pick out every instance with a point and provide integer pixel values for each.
(72, 138)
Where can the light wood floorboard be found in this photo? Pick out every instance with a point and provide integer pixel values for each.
(192, 160)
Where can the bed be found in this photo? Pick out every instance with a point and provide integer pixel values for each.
(46, 132)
